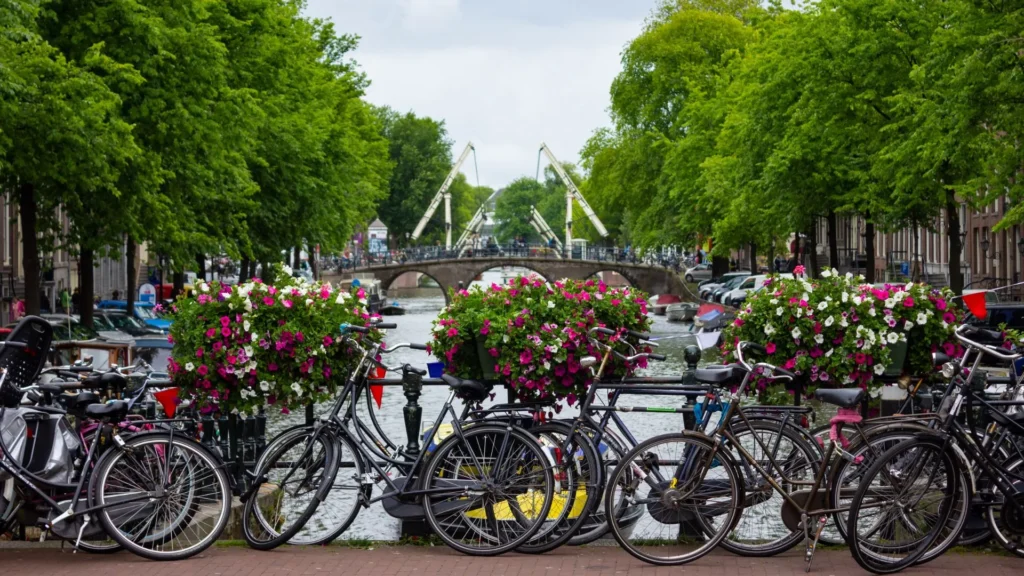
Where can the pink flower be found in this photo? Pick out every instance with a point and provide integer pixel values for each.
(940, 304)
(799, 270)
(287, 303)
(360, 293)
(453, 332)
(908, 302)
(493, 352)
(202, 370)
(738, 322)
(616, 302)
(232, 359)
(217, 346)
(526, 356)
(770, 348)
(225, 331)
(211, 332)
(328, 340)
(224, 320)
(790, 364)
(199, 353)
(486, 328)
(268, 301)
(949, 318)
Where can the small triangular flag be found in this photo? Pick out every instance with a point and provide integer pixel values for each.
(378, 394)
(975, 302)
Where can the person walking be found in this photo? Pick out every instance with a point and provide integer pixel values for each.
(76, 301)
(65, 301)
(117, 294)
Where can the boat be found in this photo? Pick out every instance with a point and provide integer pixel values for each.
(393, 309)
(662, 302)
(681, 312)
(708, 325)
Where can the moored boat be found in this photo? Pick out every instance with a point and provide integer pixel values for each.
(681, 312)
(662, 302)
(392, 309)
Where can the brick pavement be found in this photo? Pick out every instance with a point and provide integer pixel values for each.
(440, 561)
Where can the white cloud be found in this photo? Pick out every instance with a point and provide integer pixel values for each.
(505, 81)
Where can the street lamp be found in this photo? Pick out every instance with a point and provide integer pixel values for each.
(1020, 244)
(984, 244)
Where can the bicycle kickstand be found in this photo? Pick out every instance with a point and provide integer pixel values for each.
(813, 544)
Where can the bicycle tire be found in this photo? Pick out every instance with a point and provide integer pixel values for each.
(695, 488)
(866, 555)
(256, 530)
(336, 512)
(213, 479)
(596, 525)
(469, 453)
(1011, 538)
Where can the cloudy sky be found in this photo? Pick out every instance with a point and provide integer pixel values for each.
(504, 75)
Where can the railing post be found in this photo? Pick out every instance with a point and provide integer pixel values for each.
(412, 388)
(691, 354)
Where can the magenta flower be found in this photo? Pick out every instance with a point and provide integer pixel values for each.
(272, 367)
(202, 370)
(225, 331)
(860, 358)
(526, 356)
(493, 352)
(224, 320)
(486, 328)
(908, 302)
(217, 346)
(770, 348)
(211, 332)
(940, 304)
(199, 353)
(507, 370)
(616, 302)
(949, 318)
(361, 294)
(287, 303)
(268, 301)
(328, 340)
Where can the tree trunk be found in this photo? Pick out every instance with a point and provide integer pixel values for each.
(297, 258)
(812, 251)
(869, 247)
(179, 284)
(833, 240)
(314, 265)
(29, 246)
(129, 252)
(719, 265)
(243, 273)
(265, 271)
(86, 286)
(753, 258)
(201, 266)
(956, 275)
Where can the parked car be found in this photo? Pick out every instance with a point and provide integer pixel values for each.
(752, 283)
(699, 272)
(120, 320)
(707, 288)
(999, 313)
(144, 311)
(70, 329)
(731, 282)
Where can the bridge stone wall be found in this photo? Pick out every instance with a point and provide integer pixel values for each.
(449, 273)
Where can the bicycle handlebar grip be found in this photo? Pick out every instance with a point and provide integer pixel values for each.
(385, 326)
(418, 347)
(638, 335)
(68, 374)
(755, 348)
(354, 328)
(785, 372)
(414, 370)
(659, 357)
(607, 331)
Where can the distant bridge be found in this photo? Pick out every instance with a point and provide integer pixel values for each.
(450, 270)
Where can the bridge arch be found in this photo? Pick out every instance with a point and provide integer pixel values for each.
(387, 279)
(487, 267)
(625, 274)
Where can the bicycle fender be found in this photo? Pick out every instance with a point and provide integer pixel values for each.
(937, 439)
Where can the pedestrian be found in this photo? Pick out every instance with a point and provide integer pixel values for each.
(76, 301)
(17, 309)
(65, 301)
(117, 294)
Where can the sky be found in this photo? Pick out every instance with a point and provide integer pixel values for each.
(504, 75)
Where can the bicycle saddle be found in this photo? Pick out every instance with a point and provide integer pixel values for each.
(842, 397)
(78, 402)
(115, 410)
(984, 336)
(467, 389)
(718, 374)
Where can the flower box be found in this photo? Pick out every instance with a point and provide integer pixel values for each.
(530, 334)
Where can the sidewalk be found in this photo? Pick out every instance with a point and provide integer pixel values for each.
(440, 561)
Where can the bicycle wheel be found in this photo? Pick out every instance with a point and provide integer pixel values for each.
(577, 486)
(488, 489)
(682, 494)
(1004, 521)
(765, 524)
(902, 505)
(293, 477)
(611, 451)
(190, 500)
(341, 504)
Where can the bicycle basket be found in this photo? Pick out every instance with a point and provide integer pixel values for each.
(13, 431)
(23, 363)
(51, 447)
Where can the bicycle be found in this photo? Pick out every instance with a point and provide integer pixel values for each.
(485, 489)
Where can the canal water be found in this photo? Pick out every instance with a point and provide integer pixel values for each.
(422, 306)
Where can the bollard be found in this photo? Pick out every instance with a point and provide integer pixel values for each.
(237, 429)
(691, 354)
(209, 438)
(412, 388)
(223, 438)
(261, 432)
(309, 414)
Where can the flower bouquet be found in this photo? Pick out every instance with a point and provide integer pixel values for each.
(532, 333)
(240, 347)
(838, 331)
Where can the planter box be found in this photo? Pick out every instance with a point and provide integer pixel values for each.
(897, 359)
(485, 360)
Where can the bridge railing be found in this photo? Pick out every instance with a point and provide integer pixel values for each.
(511, 250)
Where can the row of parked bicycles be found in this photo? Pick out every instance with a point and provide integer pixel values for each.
(91, 471)
(754, 480)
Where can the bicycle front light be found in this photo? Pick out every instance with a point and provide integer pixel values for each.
(949, 370)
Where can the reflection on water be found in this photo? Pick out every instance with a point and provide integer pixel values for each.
(422, 306)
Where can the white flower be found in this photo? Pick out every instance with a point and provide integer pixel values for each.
(829, 353)
(547, 365)
(769, 329)
(253, 337)
(879, 369)
(248, 351)
(505, 338)
(251, 366)
(857, 300)
(246, 325)
(551, 304)
(248, 306)
(203, 287)
(823, 305)
(845, 297)
(795, 333)
(773, 301)
(309, 301)
(287, 269)
(829, 321)
(826, 273)
(843, 322)
(265, 386)
(779, 311)
(890, 303)
(341, 297)
(799, 312)
(871, 311)
(892, 337)
(297, 388)
(922, 318)
(908, 325)
(190, 366)
(819, 338)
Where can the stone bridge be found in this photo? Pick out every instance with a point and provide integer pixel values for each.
(449, 273)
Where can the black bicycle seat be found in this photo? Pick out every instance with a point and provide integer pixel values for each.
(717, 375)
(115, 410)
(983, 335)
(78, 402)
(842, 397)
(467, 389)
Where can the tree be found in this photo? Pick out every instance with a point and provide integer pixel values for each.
(512, 209)
(420, 152)
(72, 145)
